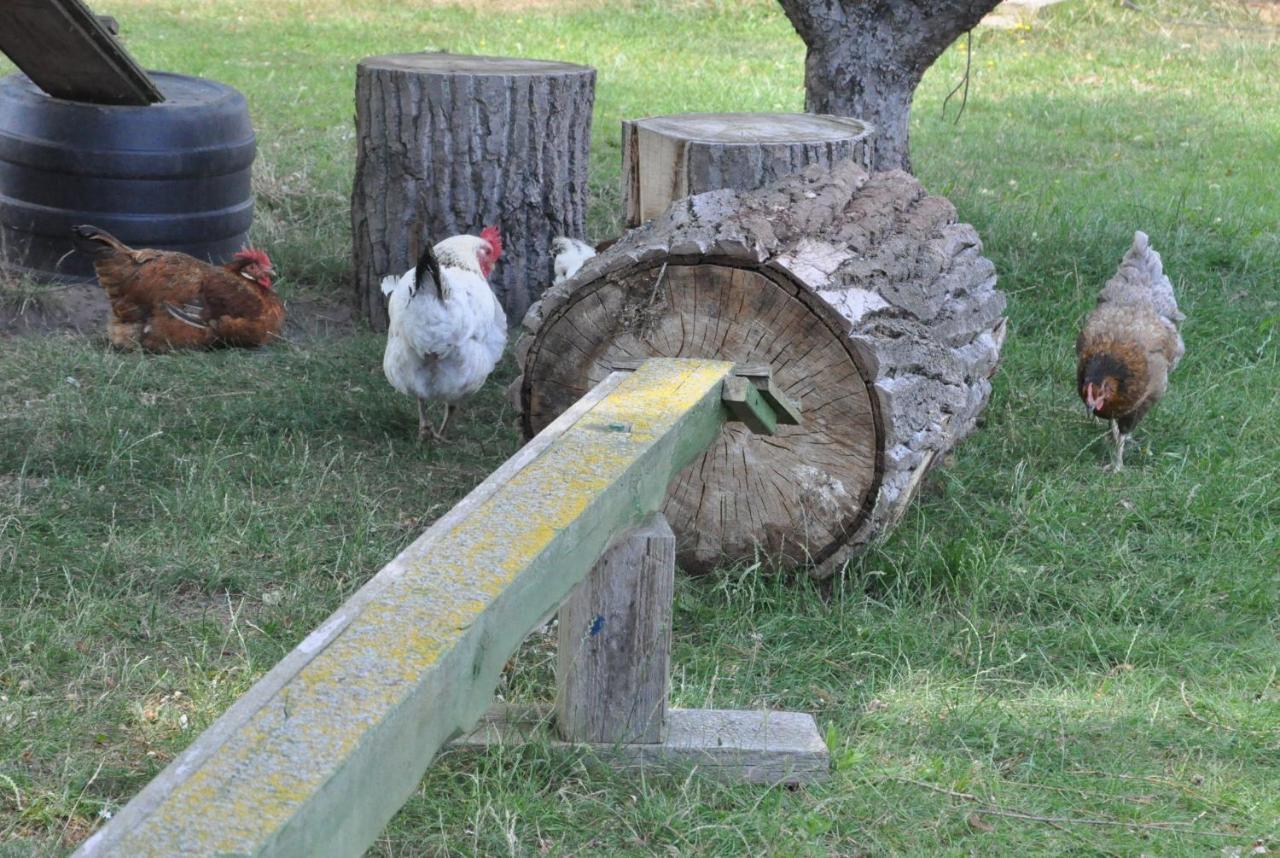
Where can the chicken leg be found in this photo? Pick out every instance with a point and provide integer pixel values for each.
(1118, 438)
(426, 429)
(449, 409)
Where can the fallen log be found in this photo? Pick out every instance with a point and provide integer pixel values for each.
(874, 309)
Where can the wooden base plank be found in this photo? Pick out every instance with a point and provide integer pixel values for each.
(758, 747)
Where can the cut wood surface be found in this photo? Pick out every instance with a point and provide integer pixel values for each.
(448, 144)
(665, 158)
(875, 310)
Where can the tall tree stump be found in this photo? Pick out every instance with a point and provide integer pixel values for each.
(875, 310)
(665, 158)
(448, 144)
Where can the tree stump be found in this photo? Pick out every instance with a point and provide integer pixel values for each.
(448, 144)
(875, 310)
(665, 158)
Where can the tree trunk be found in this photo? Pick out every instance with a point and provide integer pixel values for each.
(865, 59)
(449, 144)
(665, 158)
(875, 310)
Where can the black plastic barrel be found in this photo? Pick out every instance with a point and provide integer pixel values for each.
(172, 175)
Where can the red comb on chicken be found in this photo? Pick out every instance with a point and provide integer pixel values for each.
(255, 262)
(492, 235)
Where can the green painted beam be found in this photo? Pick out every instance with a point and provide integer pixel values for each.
(317, 756)
(747, 405)
(786, 411)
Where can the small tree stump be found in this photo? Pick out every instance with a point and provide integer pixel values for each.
(665, 158)
(875, 310)
(615, 642)
(448, 144)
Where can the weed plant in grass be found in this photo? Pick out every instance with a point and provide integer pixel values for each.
(1043, 659)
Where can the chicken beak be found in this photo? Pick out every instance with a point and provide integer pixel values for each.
(1092, 399)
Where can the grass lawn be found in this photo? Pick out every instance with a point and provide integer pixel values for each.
(1043, 658)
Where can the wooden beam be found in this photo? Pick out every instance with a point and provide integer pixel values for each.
(323, 750)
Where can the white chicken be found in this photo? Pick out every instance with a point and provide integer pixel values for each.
(569, 254)
(447, 329)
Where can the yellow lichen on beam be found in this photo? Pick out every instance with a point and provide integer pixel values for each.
(441, 607)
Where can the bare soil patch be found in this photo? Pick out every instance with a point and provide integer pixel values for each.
(82, 308)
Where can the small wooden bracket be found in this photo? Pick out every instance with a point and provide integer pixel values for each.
(750, 394)
(761, 377)
(748, 407)
(752, 398)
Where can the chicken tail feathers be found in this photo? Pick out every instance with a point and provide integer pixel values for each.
(1141, 277)
(96, 242)
(428, 267)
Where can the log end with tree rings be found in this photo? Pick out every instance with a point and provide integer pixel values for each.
(874, 309)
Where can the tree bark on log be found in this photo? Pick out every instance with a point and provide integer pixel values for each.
(865, 59)
(875, 310)
(448, 144)
(665, 158)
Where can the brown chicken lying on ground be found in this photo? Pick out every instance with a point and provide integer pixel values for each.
(163, 299)
(1130, 344)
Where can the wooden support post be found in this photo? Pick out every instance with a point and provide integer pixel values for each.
(612, 671)
(615, 642)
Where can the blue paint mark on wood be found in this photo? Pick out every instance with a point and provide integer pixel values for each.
(596, 625)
